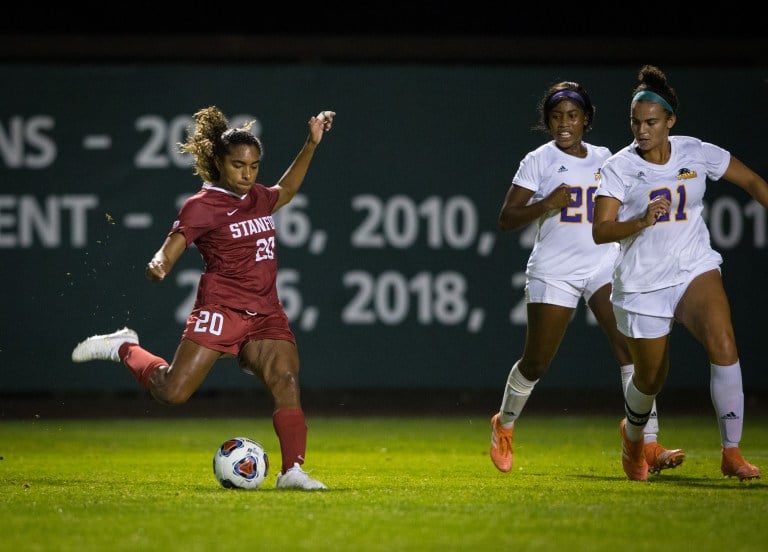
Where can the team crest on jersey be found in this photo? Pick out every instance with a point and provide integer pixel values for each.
(597, 176)
(685, 174)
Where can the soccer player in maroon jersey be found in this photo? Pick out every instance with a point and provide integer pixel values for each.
(237, 312)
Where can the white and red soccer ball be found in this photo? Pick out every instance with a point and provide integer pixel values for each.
(240, 463)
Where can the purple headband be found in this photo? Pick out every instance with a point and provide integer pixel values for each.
(567, 94)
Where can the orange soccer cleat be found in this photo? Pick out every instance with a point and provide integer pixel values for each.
(501, 445)
(660, 458)
(632, 456)
(733, 464)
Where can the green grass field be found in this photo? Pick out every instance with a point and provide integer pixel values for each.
(404, 484)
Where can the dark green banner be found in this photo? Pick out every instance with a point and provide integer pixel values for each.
(392, 270)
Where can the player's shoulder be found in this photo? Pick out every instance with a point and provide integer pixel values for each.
(686, 143)
(625, 157)
(541, 151)
(601, 152)
(194, 199)
(263, 190)
(536, 160)
(689, 151)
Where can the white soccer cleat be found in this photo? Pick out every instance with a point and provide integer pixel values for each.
(296, 478)
(103, 347)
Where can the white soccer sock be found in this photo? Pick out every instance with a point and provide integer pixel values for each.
(516, 394)
(652, 425)
(637, 407)
(728, 399)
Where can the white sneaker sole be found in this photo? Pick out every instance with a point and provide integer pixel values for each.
(99, 347)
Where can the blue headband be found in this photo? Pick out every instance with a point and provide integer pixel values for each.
(567, 94)
(649, 96)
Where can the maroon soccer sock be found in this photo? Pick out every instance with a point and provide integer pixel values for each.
(140, 362)
(291, 429)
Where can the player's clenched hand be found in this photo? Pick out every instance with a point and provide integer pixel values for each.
(319, 124)
(559, 198)
(657, 207)
(155, 270)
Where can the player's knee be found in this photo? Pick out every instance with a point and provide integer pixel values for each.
(170, 396)
(533, 369)
(282, 381)
(722, 348)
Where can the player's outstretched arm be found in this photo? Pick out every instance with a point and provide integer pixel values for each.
(293, 177)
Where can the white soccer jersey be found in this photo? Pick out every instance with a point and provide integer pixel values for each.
(564, 248)
(666, 253)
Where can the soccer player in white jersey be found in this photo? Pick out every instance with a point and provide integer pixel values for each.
(650, 200)
(554, 186)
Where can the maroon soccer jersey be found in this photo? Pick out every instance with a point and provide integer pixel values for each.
(236, 238)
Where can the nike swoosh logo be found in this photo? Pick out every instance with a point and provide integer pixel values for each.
(230, 213)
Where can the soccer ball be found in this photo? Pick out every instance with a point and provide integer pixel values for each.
(240, 463)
